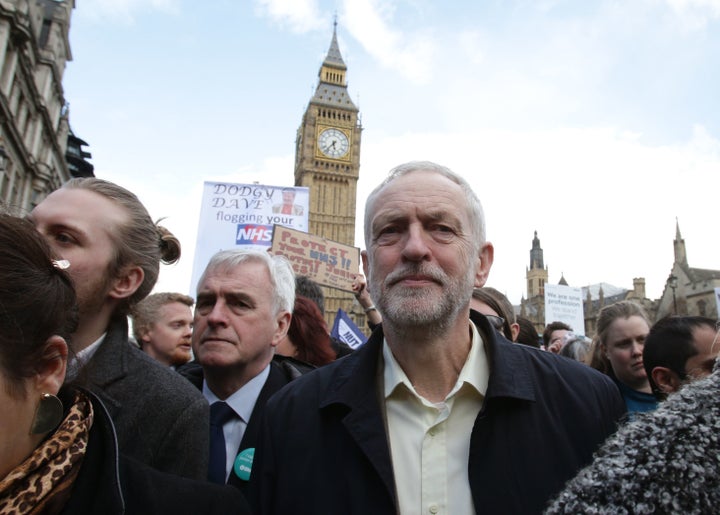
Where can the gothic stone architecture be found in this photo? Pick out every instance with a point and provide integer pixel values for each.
(34, 130)
(327, 161)
(687, 291)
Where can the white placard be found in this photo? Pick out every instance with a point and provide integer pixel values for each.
(243, 215)
(565, 304)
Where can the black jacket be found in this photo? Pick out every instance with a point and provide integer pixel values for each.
(159, 419)
(283, 370)
(110, 483)
(324, 447)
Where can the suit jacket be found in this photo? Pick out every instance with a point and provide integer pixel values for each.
(324, 447)
(110, 483)
(282, 371)
(160, 419)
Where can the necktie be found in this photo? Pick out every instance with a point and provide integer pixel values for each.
(220, 413)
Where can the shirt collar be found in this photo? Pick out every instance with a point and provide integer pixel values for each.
(82, 357)
(243, 400)
(475, 371)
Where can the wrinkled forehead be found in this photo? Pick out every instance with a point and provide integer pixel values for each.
(418, 184)
(234, 274)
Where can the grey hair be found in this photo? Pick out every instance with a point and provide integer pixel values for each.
(477, 216)
(282, 277)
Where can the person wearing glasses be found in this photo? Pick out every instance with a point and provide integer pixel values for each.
(498, 310)
(678, 350)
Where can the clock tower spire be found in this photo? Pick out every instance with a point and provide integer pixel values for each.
(327, 160)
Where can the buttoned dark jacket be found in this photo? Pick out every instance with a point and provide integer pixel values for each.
(324, 447)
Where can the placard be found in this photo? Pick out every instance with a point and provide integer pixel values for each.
(324, 261)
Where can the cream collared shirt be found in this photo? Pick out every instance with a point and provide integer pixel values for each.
(430, 442)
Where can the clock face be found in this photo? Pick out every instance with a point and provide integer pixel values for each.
(333, 143)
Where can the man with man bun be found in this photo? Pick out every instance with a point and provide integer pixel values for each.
(112, 251)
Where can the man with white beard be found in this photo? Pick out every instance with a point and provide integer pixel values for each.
(436, 413)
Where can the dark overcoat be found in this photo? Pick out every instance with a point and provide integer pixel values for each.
(324, 447)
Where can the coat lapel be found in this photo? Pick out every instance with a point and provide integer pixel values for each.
(109, 364)
(355, 387)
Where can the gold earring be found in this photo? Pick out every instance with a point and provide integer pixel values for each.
(48, 414)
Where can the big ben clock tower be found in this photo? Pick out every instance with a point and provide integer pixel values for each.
(327, 161)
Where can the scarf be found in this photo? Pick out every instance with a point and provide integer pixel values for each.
(43, 482)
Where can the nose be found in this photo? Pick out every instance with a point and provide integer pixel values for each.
(637, 348)
(217, 315)
(416, 247)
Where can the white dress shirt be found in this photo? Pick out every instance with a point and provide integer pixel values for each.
(430, 442)
(242, 402)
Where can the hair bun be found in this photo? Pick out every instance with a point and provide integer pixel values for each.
(170, 248)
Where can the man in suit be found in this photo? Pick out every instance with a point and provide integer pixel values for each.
(243, 310)
(112, 251)
(437, 413)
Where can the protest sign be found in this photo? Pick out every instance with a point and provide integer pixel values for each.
(324, 261)
(243, 215)
(565, 304)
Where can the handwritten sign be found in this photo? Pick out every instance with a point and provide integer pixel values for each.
(327, 262)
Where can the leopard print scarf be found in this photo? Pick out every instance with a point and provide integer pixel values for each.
(43, 482)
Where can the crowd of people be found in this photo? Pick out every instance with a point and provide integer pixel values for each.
(240, 401)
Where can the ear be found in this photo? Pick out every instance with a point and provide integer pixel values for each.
(283, 324)
(666, 380)
(127, 283)
(144, 336)
(604, 351)
(484, 262)
(50, 373)
(514, 331)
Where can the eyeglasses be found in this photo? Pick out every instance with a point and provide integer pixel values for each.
(497, 322)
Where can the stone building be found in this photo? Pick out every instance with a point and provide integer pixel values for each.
(327, 161)
(687, 290)
(34, 128)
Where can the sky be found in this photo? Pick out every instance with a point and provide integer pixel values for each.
(595, 123)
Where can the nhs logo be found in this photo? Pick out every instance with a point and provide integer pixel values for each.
(254, 234)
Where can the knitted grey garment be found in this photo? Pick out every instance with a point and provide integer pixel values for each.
(666, 461)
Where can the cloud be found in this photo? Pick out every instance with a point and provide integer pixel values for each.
(124, 11)
(411, 54)
(603, 200)
(300, 16)
(695, 14)
(179, 205)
